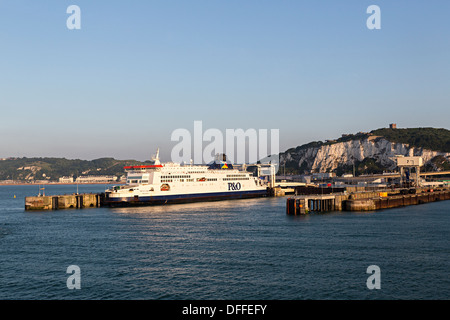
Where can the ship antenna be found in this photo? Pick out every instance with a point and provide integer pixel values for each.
(156, 157)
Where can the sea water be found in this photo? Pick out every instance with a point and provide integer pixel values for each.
(234, 249)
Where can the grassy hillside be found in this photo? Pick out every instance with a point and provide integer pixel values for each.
(54, 168)
(427, 138)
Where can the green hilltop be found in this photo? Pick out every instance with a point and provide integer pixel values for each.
(29, 169)
(427, 138)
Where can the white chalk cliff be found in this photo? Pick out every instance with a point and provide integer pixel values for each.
(328, 157)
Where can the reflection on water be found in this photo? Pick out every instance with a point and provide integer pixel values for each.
(218, 207)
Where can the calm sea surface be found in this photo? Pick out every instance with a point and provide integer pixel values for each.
(241, 249)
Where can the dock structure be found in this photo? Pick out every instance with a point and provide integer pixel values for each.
(58, 202)
(396, 201)
(310, 203)
(363, 201)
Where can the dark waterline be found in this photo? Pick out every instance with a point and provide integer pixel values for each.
(239, 249)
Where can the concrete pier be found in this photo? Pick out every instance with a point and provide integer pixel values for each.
(277, 192)
(39, 203)
(363, 201)
(58, 202)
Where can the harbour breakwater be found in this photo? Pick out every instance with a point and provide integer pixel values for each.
(58, 202)
(363, 201)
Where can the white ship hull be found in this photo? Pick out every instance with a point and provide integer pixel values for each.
(182, 198)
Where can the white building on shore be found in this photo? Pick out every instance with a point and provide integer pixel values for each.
(95, 179)
(65, 180)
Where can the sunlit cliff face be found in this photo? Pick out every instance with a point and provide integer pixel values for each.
(328, 157)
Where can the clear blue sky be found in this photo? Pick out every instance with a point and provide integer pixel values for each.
(137, 70)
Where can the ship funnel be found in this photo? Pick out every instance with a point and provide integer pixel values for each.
(220, 157)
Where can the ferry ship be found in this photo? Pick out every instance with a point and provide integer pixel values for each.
(180, 183)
